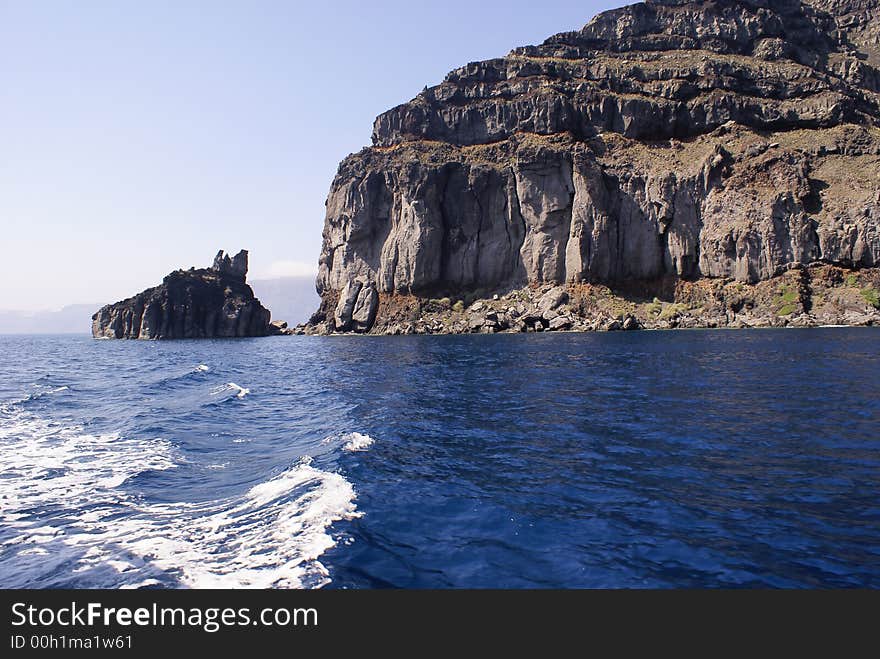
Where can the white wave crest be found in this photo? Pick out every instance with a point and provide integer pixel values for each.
(356, 441)
(240, 392)
(62, 503)
(39, 391)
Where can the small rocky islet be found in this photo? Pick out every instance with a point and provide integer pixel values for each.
(199, 303)
(672, 164)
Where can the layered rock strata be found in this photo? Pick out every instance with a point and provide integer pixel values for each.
(669, 141)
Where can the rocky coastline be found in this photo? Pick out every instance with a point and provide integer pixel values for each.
(806, 296)
(672, 164)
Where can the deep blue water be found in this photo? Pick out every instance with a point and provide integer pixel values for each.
(644, 459)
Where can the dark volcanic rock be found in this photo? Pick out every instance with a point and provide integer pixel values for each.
(190, 304)
(724, 139)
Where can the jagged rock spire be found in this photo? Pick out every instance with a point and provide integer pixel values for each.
(237, 266)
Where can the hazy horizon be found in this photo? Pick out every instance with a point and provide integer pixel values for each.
(290, 298)
(143, 137)
(96, 304)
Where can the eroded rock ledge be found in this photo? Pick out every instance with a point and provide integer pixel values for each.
(804, 296)
(191, 304)
(702, 143)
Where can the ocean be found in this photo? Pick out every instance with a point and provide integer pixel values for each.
(744, 458)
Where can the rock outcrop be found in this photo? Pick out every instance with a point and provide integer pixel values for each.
(357, 306)
(803, 296)
(191, 304)
(667, 140)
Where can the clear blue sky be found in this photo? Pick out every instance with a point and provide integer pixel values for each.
(142, 136)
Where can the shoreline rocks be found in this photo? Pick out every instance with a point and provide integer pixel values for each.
(812, 296)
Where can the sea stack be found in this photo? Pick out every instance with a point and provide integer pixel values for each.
(199, 303)
(709, 163)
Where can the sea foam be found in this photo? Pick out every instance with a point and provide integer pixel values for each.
(65, 508)
(237, 391)
(357, 442)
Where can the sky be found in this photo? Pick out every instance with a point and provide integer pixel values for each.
(140, 137)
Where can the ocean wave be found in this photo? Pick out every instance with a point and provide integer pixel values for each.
(64, 510)
(351, 442)
(40, 391)
(180, 377)
(230, 388)
(356, 441)
(241, 391)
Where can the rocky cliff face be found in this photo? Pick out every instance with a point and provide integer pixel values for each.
(724, 139)
(190, 304)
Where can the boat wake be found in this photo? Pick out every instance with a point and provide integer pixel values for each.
(69, 512)
(41, 391)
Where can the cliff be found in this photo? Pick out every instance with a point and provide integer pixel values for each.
(190, 304)
(665, 148)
